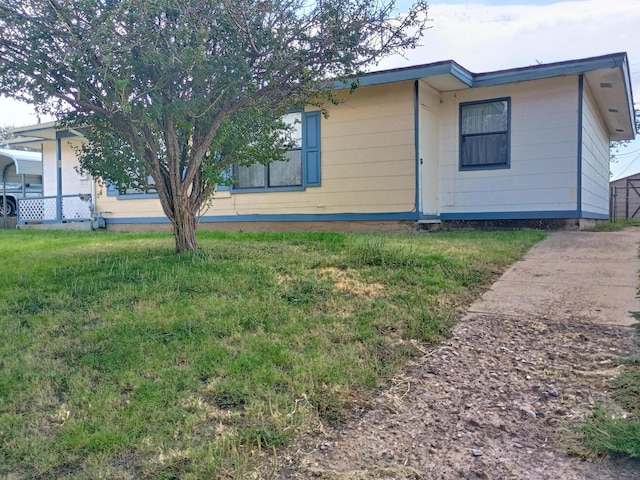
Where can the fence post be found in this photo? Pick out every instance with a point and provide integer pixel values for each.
(612, 204)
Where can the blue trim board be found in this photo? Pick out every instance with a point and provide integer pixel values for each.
(295, 217)
(364, 217)
(579, 156)
(536, 72)
(416, 141)
(58, 176)
(541, 214)
(411, 73)
(500, 77)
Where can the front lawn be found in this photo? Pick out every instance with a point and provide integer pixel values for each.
(119, 359)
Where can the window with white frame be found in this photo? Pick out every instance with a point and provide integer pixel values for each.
(484, 134)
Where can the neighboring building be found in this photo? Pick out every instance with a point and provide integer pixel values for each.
(625, 193)
(428, 143)
(20, 177)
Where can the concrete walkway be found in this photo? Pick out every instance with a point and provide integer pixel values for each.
(586, 275)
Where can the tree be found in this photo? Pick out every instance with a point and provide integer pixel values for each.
(4, 136)
(172, 92)
(616, 146)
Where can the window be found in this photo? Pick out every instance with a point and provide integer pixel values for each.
(133, 193)
(484, 134)
(138, 191)
(299, 171)
(302, 165)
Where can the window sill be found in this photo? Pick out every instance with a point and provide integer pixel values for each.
(483, 167)
(299, 188)
(136, 196)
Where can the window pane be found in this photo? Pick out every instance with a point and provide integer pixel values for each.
(138, 191)
(251, 176)
(286, 173)
(294, 120)
(484, 150)
(485, 117)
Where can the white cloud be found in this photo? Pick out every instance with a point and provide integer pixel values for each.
(485, 37)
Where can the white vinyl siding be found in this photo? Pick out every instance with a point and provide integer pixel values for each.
(543, 151)
(72, 182)
(595, 158)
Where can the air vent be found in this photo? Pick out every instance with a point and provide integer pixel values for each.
(606, 85)
(613, 110)
(619, 130)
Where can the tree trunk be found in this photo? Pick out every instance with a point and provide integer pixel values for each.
(184, 231)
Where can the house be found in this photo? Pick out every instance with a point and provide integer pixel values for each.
(417, 145)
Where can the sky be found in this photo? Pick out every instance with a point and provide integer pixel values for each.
(488, 35)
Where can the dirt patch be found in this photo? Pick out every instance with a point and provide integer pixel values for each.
(501, 398)
(496, 401)
(347, 282)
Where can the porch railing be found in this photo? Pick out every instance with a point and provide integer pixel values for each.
(64, 208)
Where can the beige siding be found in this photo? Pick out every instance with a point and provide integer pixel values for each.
(367, 164)
(544, 137)
(49, 182)
(595, 157)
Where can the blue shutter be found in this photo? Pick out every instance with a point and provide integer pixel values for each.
(112, 191)
(311, 148)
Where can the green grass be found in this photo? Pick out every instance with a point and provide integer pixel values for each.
(615, 226)
(609, 432)
(119, 359)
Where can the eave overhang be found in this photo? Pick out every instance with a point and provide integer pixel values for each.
(607, 75)
(35, 135)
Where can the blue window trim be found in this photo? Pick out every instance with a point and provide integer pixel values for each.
(500, 166)
(311, 165)
(294, 188)
(310, 157)
(112, 191)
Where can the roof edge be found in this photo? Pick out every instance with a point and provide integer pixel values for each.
(497, 77)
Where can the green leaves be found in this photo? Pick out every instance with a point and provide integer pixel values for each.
(178, 90)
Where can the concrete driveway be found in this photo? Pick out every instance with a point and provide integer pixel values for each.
(586, 275)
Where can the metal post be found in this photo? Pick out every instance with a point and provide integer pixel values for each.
(4, 196)
(59, 178)
(4, 199)
(626, 207)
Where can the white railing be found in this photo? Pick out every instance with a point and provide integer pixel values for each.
(65, 208)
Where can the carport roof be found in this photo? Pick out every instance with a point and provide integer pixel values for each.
(27, 163)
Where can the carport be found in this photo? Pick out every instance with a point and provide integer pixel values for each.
(18, 166)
